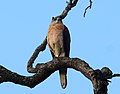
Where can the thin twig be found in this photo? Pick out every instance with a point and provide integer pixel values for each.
(114, 75)
(90, 6)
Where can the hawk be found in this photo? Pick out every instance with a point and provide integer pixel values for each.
(58, 40)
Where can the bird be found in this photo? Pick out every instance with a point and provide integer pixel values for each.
(58, 39)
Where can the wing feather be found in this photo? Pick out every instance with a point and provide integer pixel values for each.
(66, 40)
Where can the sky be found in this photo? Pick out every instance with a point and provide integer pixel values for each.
(95, 39)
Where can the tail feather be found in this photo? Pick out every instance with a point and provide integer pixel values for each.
(63, 77)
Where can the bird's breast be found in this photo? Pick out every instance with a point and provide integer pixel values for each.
(56, 28)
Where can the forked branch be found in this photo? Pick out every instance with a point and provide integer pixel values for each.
(99, 78)
(70, 5)
(34, 56)
(43, 71)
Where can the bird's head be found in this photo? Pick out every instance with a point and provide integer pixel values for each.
(56, 20)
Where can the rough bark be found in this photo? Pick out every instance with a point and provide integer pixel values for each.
(99, 78)
(45, 70)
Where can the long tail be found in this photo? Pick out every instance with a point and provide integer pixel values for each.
(63, 77)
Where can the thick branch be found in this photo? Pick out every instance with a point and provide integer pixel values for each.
(98, 77)
(44, 71)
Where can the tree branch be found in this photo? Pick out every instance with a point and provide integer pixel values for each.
(69, 6)
(99, 78)
(43, 71)
(40, 48)
(90, 5)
